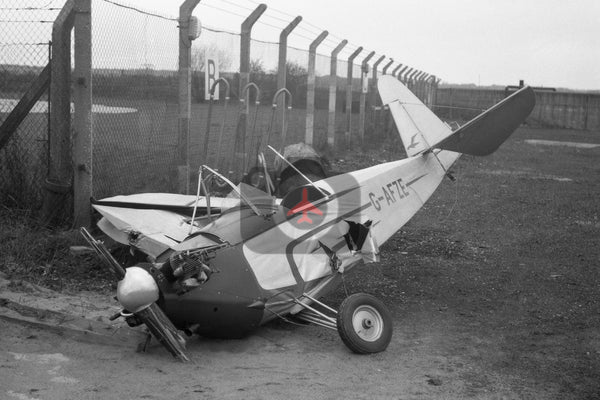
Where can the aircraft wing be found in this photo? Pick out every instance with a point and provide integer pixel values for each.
(153, 222)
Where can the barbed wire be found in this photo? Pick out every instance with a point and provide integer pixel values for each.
(332, 39)
(130, 7)
(27, 21)
(24, 44)
(29, 9)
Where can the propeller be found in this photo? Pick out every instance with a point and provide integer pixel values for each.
(137, 292)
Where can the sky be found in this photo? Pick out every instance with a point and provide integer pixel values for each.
(551, 43)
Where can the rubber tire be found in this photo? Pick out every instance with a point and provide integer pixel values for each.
(346, 329)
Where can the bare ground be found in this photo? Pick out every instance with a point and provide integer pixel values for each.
(494, 289)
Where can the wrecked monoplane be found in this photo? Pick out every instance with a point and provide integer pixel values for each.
(224, 266)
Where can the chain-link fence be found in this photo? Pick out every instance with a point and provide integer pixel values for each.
(135, 100)
(136, 110)
(25, 33)
(264, 124)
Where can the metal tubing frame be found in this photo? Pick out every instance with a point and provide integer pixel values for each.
(312, 315)
(333, 93)
(310, 88)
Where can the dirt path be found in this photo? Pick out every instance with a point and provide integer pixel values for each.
(435, 354)
(428, 358)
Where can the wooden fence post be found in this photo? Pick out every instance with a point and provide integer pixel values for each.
(82, 118)
(185, 94)
(58, 181)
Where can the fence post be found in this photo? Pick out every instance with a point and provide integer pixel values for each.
(245, 38)
(185, 94)
(586, 110)
(418, 84)
(385, 68)
(402, 71)
(333, 93)
(435, 86)
(424, 88)
(60, 169)
(310, 88)
(409, 78)
(374, 120)
(349, 94)
(433, 92)
(395, 70)
(375, 66)
(82, 118)
(282, 67)
(364, 88)
(427, 90)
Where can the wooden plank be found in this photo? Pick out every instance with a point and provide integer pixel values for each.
(70, 326)
(24, 106)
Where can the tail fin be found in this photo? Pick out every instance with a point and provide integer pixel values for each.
(418, 126)
(421, 130)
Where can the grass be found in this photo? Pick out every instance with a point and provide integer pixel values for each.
(31, 252)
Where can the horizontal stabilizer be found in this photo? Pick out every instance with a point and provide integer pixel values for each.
(486, 132)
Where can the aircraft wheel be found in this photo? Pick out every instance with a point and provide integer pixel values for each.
(364, 324)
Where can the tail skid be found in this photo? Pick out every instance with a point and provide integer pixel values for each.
(421, 130)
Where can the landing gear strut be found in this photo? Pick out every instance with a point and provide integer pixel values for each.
(363, 322)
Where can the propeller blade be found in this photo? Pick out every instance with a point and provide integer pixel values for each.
(163, 330)
(152, 316)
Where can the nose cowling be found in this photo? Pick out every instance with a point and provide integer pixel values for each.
(137, 290)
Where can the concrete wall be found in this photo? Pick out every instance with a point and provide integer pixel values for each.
(553, 109)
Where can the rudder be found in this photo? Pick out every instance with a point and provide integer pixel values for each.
(418, 126)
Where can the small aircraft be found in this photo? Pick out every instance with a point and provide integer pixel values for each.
(222, 267)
